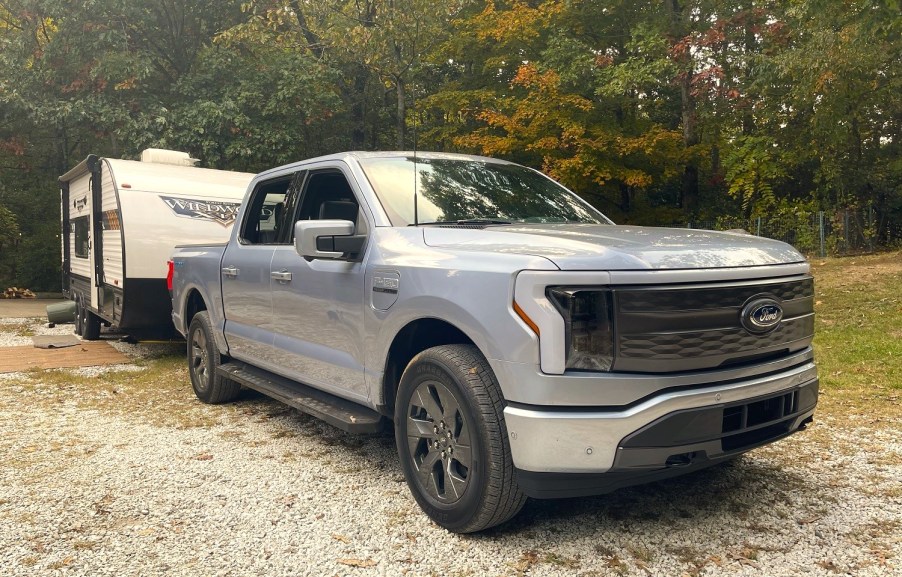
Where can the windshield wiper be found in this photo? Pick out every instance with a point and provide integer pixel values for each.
(467, 221)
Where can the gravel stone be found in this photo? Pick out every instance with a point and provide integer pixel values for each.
(16, 332)
(254, 488)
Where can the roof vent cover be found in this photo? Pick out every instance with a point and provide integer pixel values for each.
(163, 156)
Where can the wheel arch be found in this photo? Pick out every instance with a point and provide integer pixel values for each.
(194, 303)
(413, 338)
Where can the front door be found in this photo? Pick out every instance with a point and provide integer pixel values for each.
(246, 272)
(318, 304)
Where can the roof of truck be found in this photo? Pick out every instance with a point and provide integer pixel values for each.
(363, 155)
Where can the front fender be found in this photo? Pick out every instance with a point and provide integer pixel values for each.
(480, 305)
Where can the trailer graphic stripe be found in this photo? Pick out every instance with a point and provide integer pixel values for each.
(223, 213)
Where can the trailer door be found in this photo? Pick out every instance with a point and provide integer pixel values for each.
(97, 234)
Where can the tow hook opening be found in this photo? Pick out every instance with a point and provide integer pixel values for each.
(680, 460)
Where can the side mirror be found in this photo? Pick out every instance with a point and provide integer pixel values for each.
(326, 239)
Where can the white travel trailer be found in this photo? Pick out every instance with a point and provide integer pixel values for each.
(121, 220)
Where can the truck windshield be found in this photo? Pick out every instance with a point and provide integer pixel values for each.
(472, 191)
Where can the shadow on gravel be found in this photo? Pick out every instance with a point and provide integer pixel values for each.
(736, 493)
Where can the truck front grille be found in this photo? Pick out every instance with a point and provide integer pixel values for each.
(662, 329)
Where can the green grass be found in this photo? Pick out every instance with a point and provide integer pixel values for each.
(858, 341)
(20, 329)
(159, 394)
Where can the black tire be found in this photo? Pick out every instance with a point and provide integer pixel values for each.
(90, 325)
(203, 359)
(79, 317)
(448, 400)
(87, 324)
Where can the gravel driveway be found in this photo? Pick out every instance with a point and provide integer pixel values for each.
(121, 471)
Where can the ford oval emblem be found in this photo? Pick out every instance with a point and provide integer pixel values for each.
(761, 315)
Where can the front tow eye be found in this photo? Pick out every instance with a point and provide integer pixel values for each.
(680, 460)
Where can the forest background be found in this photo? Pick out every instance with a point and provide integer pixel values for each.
(657, 112)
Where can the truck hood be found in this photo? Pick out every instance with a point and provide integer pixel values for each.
(609, 247)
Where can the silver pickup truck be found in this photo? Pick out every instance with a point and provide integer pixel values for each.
(519, 342)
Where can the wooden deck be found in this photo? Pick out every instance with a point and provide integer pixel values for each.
(84, 354)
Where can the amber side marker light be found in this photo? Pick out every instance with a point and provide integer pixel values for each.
(522, 314)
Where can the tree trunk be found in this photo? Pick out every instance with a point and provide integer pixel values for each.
(401, 91)
(114, 145)
(625, 200)
(689, 196)
(314, 43)
(688, 116)
(358, 108)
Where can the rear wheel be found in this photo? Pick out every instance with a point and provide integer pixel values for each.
(203, 360)
(90, 325)
(87, 324)
(79, 317)
(452, 440)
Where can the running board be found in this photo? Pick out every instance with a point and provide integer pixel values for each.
(336, 411)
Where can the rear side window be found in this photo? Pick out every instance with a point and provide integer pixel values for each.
(82, 229)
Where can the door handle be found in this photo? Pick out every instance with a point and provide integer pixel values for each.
(230, 271)
(282, 276)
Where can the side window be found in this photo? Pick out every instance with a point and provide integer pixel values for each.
(82, 229)
(328, 196)
(267, 218)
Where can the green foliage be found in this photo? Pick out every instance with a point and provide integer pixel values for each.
(655, 112)
(38, 259)
(754, 167)
(9, 229)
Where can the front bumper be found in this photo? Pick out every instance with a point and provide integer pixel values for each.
(675, 431)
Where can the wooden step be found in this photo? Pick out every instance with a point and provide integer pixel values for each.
(336, 411)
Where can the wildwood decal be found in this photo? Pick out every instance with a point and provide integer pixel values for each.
(222, 212)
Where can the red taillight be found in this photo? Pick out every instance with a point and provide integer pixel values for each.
(169, 275)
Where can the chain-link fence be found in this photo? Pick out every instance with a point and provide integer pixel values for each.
(822, 233)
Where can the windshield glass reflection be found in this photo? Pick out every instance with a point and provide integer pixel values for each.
(452, 190)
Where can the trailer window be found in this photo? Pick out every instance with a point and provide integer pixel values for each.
(82, 229)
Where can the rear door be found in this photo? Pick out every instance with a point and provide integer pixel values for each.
(245, 271)
(318, 304)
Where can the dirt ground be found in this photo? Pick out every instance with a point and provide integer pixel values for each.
(18, 308)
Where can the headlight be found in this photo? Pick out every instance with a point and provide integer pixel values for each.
(588, 328)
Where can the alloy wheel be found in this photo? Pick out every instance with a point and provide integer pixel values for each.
(438, 441)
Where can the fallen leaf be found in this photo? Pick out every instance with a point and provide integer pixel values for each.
(358, 562)
(341, 538)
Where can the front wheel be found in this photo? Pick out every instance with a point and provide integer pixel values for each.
(203, 360)
(452, 440)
